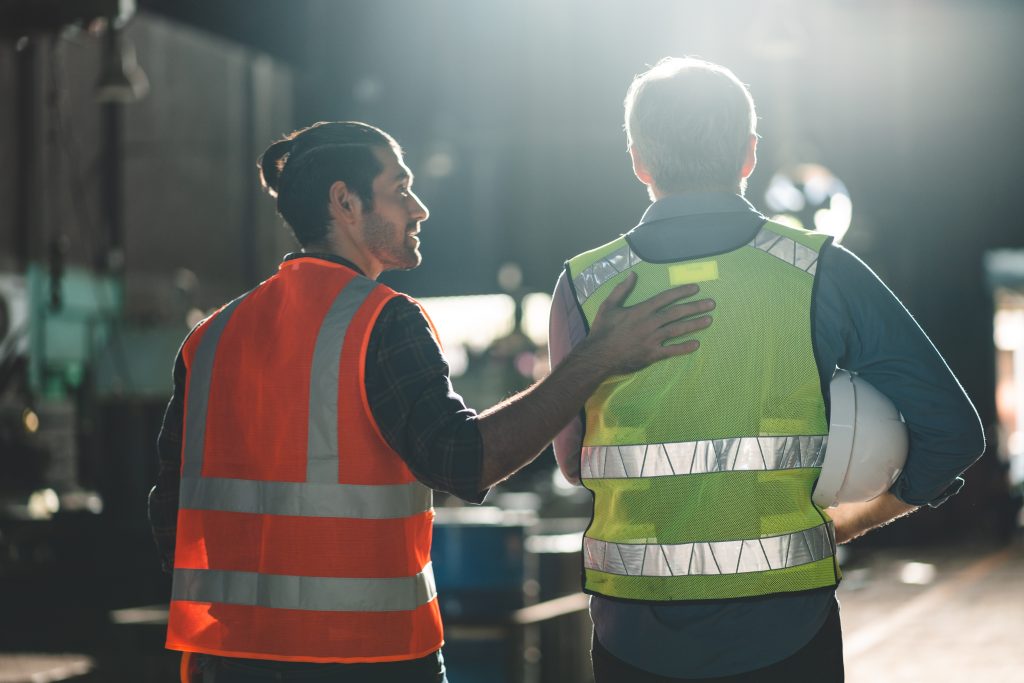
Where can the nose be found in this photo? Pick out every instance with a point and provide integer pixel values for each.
(419, 209)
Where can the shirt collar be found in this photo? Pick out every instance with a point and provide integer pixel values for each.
(694, 203)
(334, 258)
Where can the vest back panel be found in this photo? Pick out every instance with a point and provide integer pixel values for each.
(702, 466)
(302, 536)
(754, 374)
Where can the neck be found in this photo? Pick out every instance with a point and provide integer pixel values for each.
(335, 250)
(655, 193)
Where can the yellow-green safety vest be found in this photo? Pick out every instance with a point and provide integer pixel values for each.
(702, 466)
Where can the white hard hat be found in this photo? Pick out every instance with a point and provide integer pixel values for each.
(867, 444)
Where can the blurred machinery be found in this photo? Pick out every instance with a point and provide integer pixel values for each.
(1005, 272)
(810, 196)
(55, 327)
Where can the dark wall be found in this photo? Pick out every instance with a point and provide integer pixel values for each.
(190, 196)
(914, 104)
(8, 151)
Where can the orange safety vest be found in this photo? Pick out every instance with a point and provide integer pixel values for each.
(302, 536)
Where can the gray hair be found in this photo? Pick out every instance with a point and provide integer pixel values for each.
(690, 121)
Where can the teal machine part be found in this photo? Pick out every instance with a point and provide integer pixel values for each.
(87, 333)
(63, 339)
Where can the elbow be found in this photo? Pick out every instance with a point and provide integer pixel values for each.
(974, 438)
(573, 478)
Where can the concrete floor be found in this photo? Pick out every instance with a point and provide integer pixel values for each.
(934, 614)
(910, 615)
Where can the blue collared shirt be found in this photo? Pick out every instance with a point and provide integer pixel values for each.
(859, 325)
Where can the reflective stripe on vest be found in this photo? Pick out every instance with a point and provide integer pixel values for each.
(327, 594)
(718, 557)
(591, 278)
(354, 501)
(700, 457)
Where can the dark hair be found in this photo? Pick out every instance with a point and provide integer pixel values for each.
(299, 170)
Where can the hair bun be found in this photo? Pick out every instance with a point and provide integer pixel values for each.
(272, 163)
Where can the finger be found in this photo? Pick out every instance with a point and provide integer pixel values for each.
(681, 328)
(688, 346)
(668, 296)
(621, 291)
(675, 312)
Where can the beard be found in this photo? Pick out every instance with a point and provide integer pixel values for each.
(394, 247)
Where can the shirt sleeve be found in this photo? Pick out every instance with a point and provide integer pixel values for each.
(163, 498)
(861, 326)
(566, 329)
(417, 410)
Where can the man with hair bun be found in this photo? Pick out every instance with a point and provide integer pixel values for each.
(312, 416)
(706, 557)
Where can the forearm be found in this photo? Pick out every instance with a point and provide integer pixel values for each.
(515, 431)
(855, 519)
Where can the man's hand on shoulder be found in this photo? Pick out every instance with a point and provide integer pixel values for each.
(622, 339)
(625, 339)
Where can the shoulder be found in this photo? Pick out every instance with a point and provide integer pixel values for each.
(404, 324)
(809, 238)
(401, 310)
(580, 261)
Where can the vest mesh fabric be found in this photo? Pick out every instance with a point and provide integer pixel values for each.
(754, 376)
(302, 536)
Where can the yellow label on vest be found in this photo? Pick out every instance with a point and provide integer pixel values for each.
(685, 273)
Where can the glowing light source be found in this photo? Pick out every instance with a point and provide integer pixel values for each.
(471, 321)
(917, 573)
(812, 197)
(30, 420)
(439, 165)
(536, 312)
(43, 504)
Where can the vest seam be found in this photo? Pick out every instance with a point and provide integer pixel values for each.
(719, 438)
(699, 601)
(723, 540)
(364, 344)
(697, 256)
(826, 396)
(583, 415)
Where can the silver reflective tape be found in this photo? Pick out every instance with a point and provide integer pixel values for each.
(322, 440)
(785, 249)
(595, 275)
(701, 457)
(322, 594)
(702, 559)
(200, 375)
(302, 499)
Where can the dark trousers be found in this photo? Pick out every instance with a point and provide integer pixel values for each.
(429, 669)
(820, 661)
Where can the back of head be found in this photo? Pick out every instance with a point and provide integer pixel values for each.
(690, 121)
(300, 168)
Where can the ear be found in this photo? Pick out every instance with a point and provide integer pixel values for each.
(639, 169)
(751, 160)
(344, 205)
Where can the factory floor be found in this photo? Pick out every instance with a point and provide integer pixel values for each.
(937, 614)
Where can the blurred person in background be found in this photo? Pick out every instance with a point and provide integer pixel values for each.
(705, 556)
(312, 416)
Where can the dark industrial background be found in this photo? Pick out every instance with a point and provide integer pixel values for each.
(121, 219)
